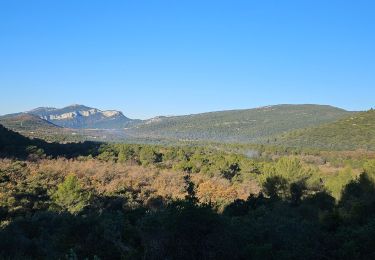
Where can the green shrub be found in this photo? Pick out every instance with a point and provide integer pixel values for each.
(70, 195)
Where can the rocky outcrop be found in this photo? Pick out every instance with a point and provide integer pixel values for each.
(79, 116)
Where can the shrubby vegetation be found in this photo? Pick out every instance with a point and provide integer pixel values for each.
(15, 145)
(133, 201)
(112, 211)
(34, 127)
(240, 126)
(354, 132)
(70, 196)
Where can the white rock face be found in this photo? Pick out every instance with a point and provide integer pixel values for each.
(154, 120)
(85, 113)
(110, 113)
(88, 112)
(63, 116)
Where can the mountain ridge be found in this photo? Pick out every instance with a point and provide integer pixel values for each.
(354, 132)
(256, 125)
(243, 125)
(82, 117)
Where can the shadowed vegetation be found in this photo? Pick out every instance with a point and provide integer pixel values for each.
(130, 201)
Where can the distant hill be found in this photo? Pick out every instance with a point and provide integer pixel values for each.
(250, 125)
(354, 132)
(35, 127)
(15, 145)
(12, 144)
(83, 117)
(26, 121)
(259, 125)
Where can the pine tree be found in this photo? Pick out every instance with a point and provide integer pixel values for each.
(70, 196)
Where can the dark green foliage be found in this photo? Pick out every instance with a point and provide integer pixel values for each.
(350, 133)
(44, 216)
(237, 209)
(148, 155)
(70, 196)
(230, 171)
(15, 145)
(289, 227)
(240, 126)
(275, 187)
(190, 188)
(358, 200)
(296, 192)
(125, 153)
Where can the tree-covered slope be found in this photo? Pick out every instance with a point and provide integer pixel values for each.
(12, 144)
(25, 121)
(250, 125)
(15, 145)
(35, 127)
(354, 132)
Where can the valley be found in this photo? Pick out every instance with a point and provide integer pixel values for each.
(132, 195)
(187, 130)
(264, 125)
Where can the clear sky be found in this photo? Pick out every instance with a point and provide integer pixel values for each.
(151, 58)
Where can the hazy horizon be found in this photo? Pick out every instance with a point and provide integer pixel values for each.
(170, 115)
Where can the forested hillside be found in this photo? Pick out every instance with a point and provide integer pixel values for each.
(354, 132)
(252, 125)
(35, 127)
(14, 145)
(187, 130)
(131, 201)
(258, 125)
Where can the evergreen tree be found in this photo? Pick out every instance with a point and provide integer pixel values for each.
(70, 196)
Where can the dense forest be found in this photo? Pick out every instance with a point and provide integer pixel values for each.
(240, 126)
(356, 131)
(293, 126)
(188, 201)
(187, 130)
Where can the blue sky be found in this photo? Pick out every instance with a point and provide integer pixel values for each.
(151, 58)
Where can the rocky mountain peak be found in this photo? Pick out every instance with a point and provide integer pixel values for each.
(80, 116)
